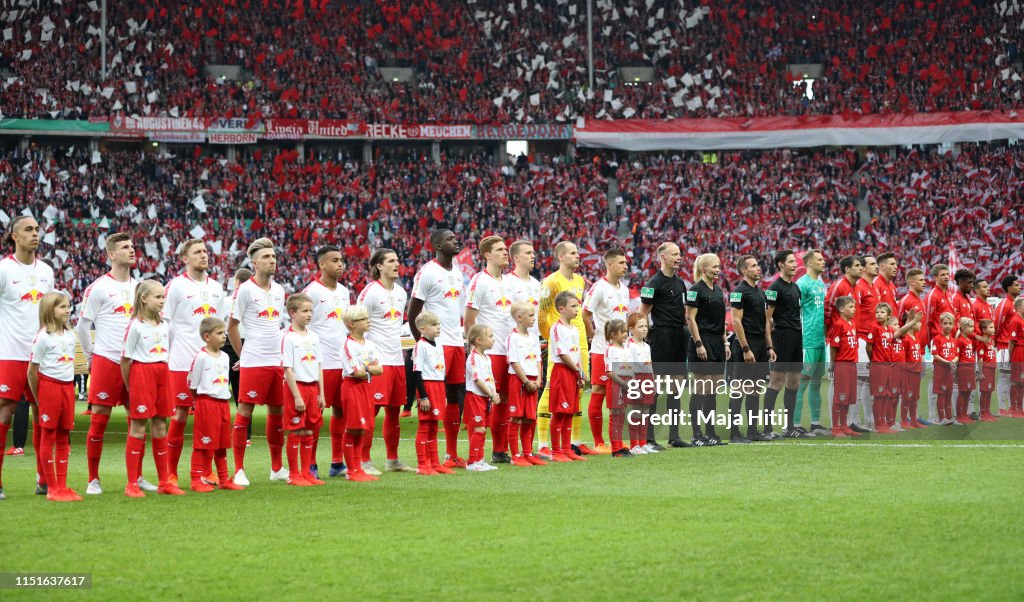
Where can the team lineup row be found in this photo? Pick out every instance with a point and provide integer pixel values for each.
(157, 351)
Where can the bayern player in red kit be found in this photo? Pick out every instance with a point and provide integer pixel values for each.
(439, 287)
(384, 300)
(866, 297)
(1003, 320)
(259, 308)
(107, 307)
(935, 304)
(192, 296)
(23, 282)
(330, 298)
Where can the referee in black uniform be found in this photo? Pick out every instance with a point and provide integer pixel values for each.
(705, 315)
(663, 299)
(786, 341)
(750, 347)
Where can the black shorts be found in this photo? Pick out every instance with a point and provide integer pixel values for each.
(789, 350)
(668, 345)
(715, 364)
(740, 369)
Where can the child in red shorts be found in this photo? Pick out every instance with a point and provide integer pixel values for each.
(567, 376)
(1015, 349)
(145, 373)
(880, 350)
(912, 356)
(51, 378)
(480, 390)
(843, 344)
(304, 399)
(945, 356)
(985, 351)
(360, 362)
(619, 367)
(641, 403)
(208, 382)
(428, 380)
(524, 382)
(965, 376)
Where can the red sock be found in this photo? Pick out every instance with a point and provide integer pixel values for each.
(567, 433)
(513, 437)
(615, 421)
(392, 431)
(499, 427)
(422, 433)
(316, 445)
(239, 435)
(175, 444)
(452, 424)
(837, 416)
(3, 447)
(198, 465)
(905, 410)
(94, 443)
(476, 445)
(47, 441)
(844, 412)
(337, 430)
(136, 447)
(556, 433)
(366, 440)
(350, 443)
(293, 453)
(1016, 396)
(221, 457)
(160, 458)
(526, 432)
(275, 440)
(877, 411)
(595, 413)
(432, 444)
(986, 403)
(63, 453)
(37, 441)
(306, 454)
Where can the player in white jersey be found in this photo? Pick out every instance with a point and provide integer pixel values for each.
(523, 286)
(384, 300)
(23, 281)
(107, 308)
(259, 307)
(191, 296)
(330, 298)
(607, 300)
(439, 288)
(488, 303)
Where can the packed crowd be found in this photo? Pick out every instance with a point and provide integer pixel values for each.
(920, 203)
(496, 61)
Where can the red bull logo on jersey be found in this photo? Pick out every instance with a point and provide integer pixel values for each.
(269, 313)
(452, 293)
(33, 296)
(335, 314)
(65, 359)
(125, 309)
(206, 310)
(220, 380)
(502, 303)
(158, 349)
(533, 301)
(309, 357)
(393, 314)
(530, 356)
(439, 366)
(620, 309)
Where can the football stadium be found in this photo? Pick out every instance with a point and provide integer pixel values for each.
(724, 297)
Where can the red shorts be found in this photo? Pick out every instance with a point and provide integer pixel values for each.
(499, 368)
(14, 380)
(389, 387)
(598, 374)
(357, 404)
(438, 400)
(646, 399)
(177, 386)
(56, 404)
(147, 391)
(474, 411)
(844, 384)
(332, 387)
(881, 379)
(942, 378)
(988, 378)
(911, 385)
(564, 395)
(965, 380)
(212, 426)
(520, 403)
(615, 396)
(309, 419)
(106, 385)
(897, 378)
(261, 385)
(454, 365)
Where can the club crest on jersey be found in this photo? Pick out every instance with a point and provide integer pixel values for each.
(269, 313)
(207, 440)
(842, 397)
(205, 310)
(33, 296)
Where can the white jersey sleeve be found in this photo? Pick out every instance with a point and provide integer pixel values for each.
(491, 298)
(262, 312)
(55, 354)
(386, 309)
(442, 293)
(208, 375)
(21, 289)
(301, 353)
(428, 360)
(329, 320)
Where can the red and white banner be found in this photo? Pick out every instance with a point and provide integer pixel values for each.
(232, 137)
(177, 137)
(389, 131)
(284, 129)
(779, 132)
(334, 128)
(158, 124)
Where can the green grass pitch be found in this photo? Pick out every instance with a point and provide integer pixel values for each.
(910, 516)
